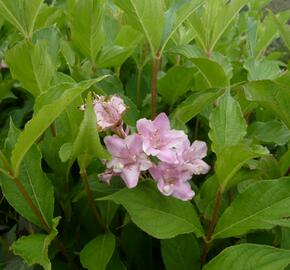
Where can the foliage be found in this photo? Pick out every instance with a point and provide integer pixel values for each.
(218, 69)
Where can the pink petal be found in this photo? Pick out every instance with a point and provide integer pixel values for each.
(198, 149)
(145, 127)
(118, 103)
(130, 175)
(106, 176)
(200, 167)
(156, 173)
(161, 122)
(134, 144)
(164, 188)
(177, 139)
(183, 191)
(144, 162)
(148, 149)
(168, 155)
(115, 145)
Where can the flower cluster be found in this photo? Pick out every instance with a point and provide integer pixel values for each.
(166, 153)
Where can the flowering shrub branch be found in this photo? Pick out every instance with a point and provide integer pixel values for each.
(176, 160)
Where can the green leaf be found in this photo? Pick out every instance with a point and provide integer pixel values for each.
(231, 160)
(252, 209)
(182, 14)
(98, 252)
(268, 30)
(284, 29)
(284, 162)
(31, 65)
(175, 83)
(37, 185)
(228, 126)
(87, 27)
(124, 45)
(147, 17)
(212, 72)
(181, 252)
(33, 180)
(195, 103)
(87, 144)
(271, 95)
(250, 257)
(262, 69)
(270, 132)
(34, 248)
(21, 13)
(229, 13)
(160, 216)
(44, 118)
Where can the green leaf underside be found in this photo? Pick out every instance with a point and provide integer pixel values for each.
(160, 216)
(98, 252)
(251, 210)
(181, 252)
(250, 257)
(34, 248)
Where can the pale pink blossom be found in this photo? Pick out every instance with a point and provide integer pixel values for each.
(172, 180)
(159, 140)
(128, 159)
(109, 112)
(191, 156)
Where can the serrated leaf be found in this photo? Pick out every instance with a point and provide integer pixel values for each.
(181, 252)
(273, 96)
(270, 132)
(34, 248)
(284, 29)
(98, 252)
(147, 17)
(262, 69)
(190, 107)
(34, 181)
(182, 14)
(231, 160)
(31, 65)
(21, 13)
(228, 126)
(229, 11)
(267, 31)
(160, 216)
(43, 119)
(212, 72)
(251, 210)
(87, 27)
(250, 257)
(175, 83)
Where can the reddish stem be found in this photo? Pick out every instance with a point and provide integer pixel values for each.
(213, 221)
(156, 61)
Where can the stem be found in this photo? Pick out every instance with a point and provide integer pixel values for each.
(62, 250)
(30, 202)
(138, 86)
(53, 130)
(91, 201)
(211, 227)
(156, 60)
(208, 53)
(34, 208)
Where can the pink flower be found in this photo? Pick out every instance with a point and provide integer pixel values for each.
(192, 156)
(159, 140)
(128, 159)
(172, 180)
(108, 112)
